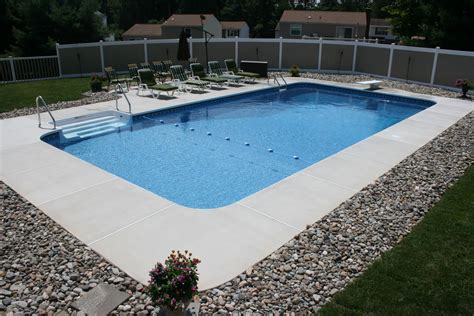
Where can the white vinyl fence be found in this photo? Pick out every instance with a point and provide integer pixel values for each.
(429, 66)
(28, 68)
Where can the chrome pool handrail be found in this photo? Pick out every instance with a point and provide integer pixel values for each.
(119, 89)
(275, 80)
(40, 98)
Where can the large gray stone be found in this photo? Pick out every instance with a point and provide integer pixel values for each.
(101, 300)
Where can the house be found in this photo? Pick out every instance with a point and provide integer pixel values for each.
(381, 29)
(333, 24)
(192, 25)
(141, 31)
(235, 28)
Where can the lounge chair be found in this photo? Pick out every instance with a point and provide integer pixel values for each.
(167, 64)
(184, 82)
(146, 66)
(215, 68)
(160, 70)
(133, 72)
(232, 66)
(197, 70)
(148, 82)
(113, 78)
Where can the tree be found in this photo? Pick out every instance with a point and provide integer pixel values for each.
(443, 23)
(6, 26)
(38, 24)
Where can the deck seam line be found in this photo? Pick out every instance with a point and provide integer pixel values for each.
(270, 217)
(332, 182)
(79, 190)
(131, 224)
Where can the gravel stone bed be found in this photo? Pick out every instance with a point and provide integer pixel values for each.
(89, 98)
(43, 268)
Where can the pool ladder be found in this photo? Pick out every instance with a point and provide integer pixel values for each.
(280, 86)
(38, 100)
(119, 89)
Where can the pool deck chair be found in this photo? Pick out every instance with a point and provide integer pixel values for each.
(197, 70)
(185, 83)
(148, 83)
(114, 79)
(232, 66)
(133, 72)
(215, 68)
(160, 72)
(373, 84)
(167, 64)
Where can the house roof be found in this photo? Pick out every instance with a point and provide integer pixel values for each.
(380, 22)
(186, 19)
(323, 17)
(233, 25)
(144, 30)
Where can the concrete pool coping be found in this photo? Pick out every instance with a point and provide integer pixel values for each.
(133, 228)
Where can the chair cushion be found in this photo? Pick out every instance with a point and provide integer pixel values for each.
(164, 87)
(215, 79)
(196, 82)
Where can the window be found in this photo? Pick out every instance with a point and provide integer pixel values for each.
(344, 32)
(296, 29)
(188, 32)
(233, 33)
(381, 31)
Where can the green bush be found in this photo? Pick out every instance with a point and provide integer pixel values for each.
(96, 84)
(295, 71)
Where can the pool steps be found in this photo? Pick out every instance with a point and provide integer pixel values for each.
(92, 127)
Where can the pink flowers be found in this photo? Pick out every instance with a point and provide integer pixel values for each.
(461, 83)
(174, 282)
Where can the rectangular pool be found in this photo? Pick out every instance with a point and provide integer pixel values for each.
(214, 153)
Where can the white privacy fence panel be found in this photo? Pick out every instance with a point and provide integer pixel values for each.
(29, 68)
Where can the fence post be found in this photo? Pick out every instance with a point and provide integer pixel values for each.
(236, 49)
(191, 47)
(280, 53)
(320, 52)
(390, 60)
(102, 62)
(355, 56)
(12, 68)
(59, 60)
(145, 46)
(435, 64)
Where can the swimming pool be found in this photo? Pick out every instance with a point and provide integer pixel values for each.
(214, 153)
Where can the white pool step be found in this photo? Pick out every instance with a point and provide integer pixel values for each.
(93, 127)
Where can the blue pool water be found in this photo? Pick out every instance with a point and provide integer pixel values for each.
(193, 164)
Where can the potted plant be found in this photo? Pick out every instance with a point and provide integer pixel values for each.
(465, 86)
(173, 285)
(96, 84)
(295, 71)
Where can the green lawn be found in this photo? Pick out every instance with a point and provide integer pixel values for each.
(431, 272)
(23, 94)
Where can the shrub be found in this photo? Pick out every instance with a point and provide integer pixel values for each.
(175, 282)
(96, 84)
(295, 71)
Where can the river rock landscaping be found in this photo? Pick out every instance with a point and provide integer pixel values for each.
(43, 268)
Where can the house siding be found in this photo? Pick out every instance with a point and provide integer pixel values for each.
(322, 30)
(211, 25)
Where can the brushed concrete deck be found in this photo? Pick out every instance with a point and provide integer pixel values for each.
(134, 228)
